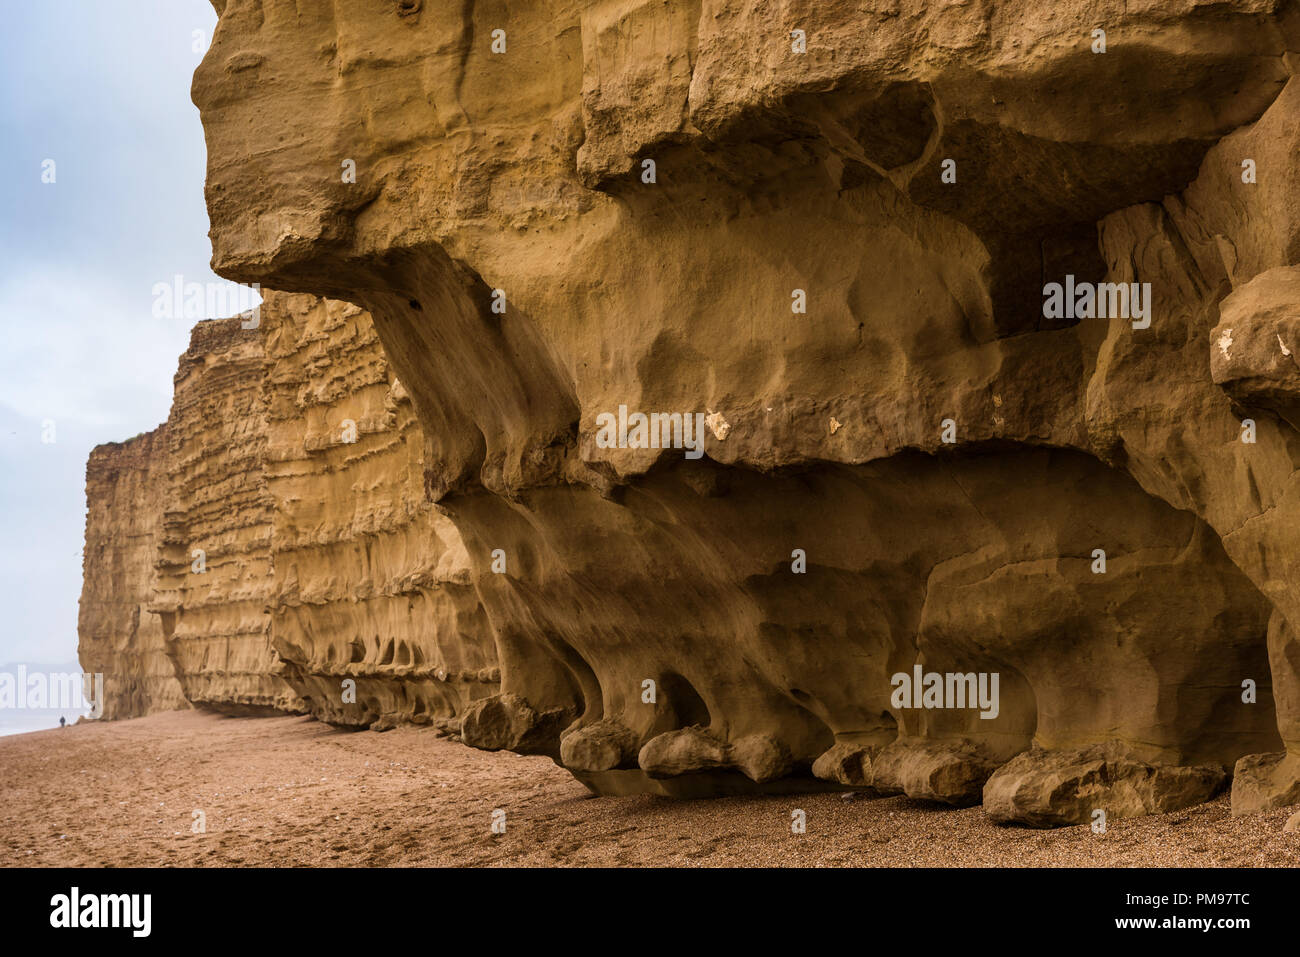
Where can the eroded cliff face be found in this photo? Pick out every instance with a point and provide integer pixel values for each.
(830, 228)
(371, 582)
(213, 577)
(273, 545)
(118, 638)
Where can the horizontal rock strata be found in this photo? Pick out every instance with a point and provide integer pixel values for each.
(295, 562)
(372, 583)
(118, 637)
(214, 574)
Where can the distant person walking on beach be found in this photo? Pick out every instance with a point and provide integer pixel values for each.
(63, 722)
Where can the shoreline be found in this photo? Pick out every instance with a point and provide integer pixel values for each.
(294, 791)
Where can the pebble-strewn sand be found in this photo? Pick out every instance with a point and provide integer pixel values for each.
(294, 791)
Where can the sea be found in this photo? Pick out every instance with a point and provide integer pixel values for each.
(23, 721)
(18, 677)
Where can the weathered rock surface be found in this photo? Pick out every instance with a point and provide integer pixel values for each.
(1050, 788)
(603, 746)
(927, 467)
(371, 582)
(214, 573)
(1263, 781)
(1256, 358)
(506, 722)
(948, 771)
(846, 763)
(761, 758)
(299, 564)
(118, 637)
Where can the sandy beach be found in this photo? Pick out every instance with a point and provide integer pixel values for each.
(293, 791)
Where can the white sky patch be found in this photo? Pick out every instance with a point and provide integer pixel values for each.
(109, 101)
(73, 354)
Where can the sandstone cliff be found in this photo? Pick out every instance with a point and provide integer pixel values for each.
(214, 570)
(283, 553)
(830, 231)
(118, 637)
(371, 582)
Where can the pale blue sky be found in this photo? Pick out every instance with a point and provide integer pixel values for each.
(103, 89)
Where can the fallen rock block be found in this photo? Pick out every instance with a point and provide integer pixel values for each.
(682, 752)
(951, 772)
(507, 722)
(1053, 788)
(760, 757)
(846, 763)
(1261, 782)
(602, 746)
